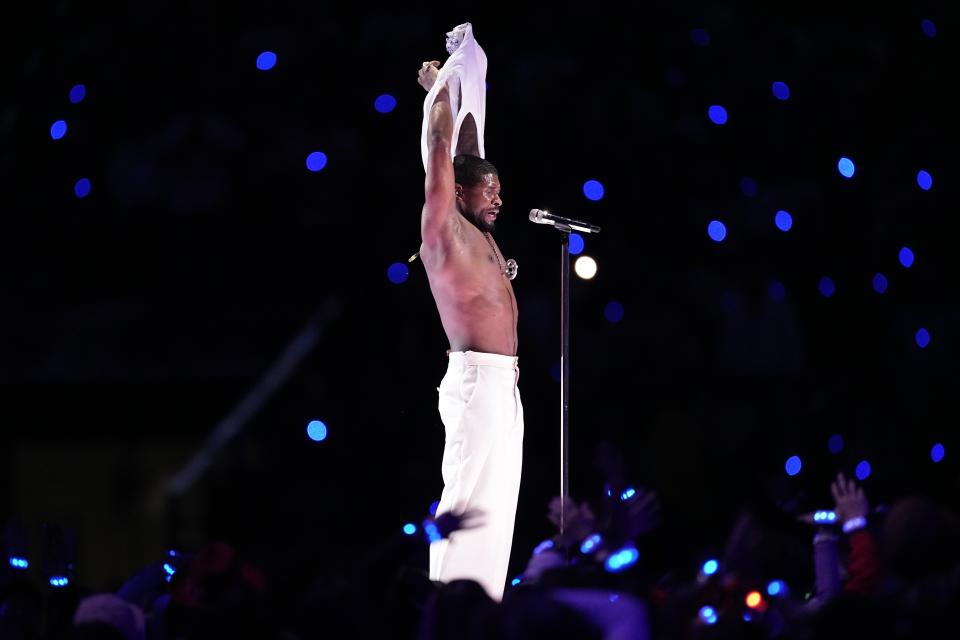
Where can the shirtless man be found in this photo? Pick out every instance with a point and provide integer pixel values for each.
(479, 401)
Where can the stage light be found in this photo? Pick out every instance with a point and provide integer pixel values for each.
(58, 129)
(613, 312)
(717, 230)
(82, 188)
(928, 27)
(77, 93)
(409, 528)
(397, 273)
(19, 563)
(922, 338)
(317, 431)
(593, 189)
(827, 287)
(754, 599)
(708, 614)
(622, 559)
(846, 167)
(717, 114)
(863, 470)
(783, 220)
(776, 291)
(924, 180)
(835, 443)
(906, 257)
(880, 283)
(781, 90)
(793, 465)
(385, 103)
(576, 244)
(585, 267)
(316, 161)
(700, 37)
(937, 452)
(710, 567)
(748, 186)
(266, 60)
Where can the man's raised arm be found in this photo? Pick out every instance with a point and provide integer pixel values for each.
(439, 206)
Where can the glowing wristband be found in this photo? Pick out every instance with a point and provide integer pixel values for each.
(853, 524)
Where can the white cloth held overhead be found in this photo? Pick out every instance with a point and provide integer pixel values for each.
(465, 73)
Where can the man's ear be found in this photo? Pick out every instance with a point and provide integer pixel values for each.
(458, 190)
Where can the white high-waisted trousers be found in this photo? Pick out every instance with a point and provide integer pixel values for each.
(483, 418)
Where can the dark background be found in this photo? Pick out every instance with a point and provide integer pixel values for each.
(137, 318)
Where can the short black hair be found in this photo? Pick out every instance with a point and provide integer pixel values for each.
(469, 170)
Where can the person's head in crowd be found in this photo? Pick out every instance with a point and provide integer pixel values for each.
(98, 614)
(919, 538)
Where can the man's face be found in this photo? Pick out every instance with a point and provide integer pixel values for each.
(481, 203)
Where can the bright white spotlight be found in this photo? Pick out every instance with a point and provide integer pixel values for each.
(585, 267)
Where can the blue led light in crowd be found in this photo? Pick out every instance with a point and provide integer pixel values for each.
(863, 470)
(546, 545)
(516, 581)
(590, 543)
(409, 528)
(58, 129)
(783, 220)
(629, 493)
(777, 291)
(716, 230)
(433, 507)
(748, 186)
(846, 167)
(172, 553)
(793, 465)
(59, 581)
(922, 338)
(710, 567)
(77, 93)
(776, 587)
(928, 27)
(835, 443)
(708, 614)
(593, 189)
(266, 60)
(576, 244)
(781, 90)
(385, 103)
(19, 563)
(397, 273)
(169, 569)
(431, 531)
(622, 559)
(717, 114)
(700, 37)
(316, 430)
(613, 312)
(880, 283)
(825, 517)
(924, 180)
(316, 161)
(906, 257)
(937, 452)
(82, 188)
(827, 287)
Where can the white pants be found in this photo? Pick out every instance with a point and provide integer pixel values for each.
(481, 412)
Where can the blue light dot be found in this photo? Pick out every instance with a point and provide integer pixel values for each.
(19, 563)
(576, 244)
(937, 452)
(700, 37)
(924, 180)
(266, 60)
(627, 494)
(622, 559)
(58, 129)
(433, 507)
(827, 287)
(922, 338)
(846, 167)
(515, 582)
(710, 567)
(613, 312)
(835, 444)
(863, 470)
(593, 190)
(929, 28)
(385, 103)
(793, 465)
(748, 186)
(708, 614)
(783, 220)
(717, 114)
(397, 273)
(716, 230)
(77, 93)
(777, 291)
(776, 587)
(906, 257)
(317, 431)
(409, 529)
(781, 90)
(316, 161)
(82, 188)
(880, 283)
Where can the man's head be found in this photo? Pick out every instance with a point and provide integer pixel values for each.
(477, 190)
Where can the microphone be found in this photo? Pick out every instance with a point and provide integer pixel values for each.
(540, 216)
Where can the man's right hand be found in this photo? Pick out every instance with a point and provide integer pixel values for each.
(427, 76)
